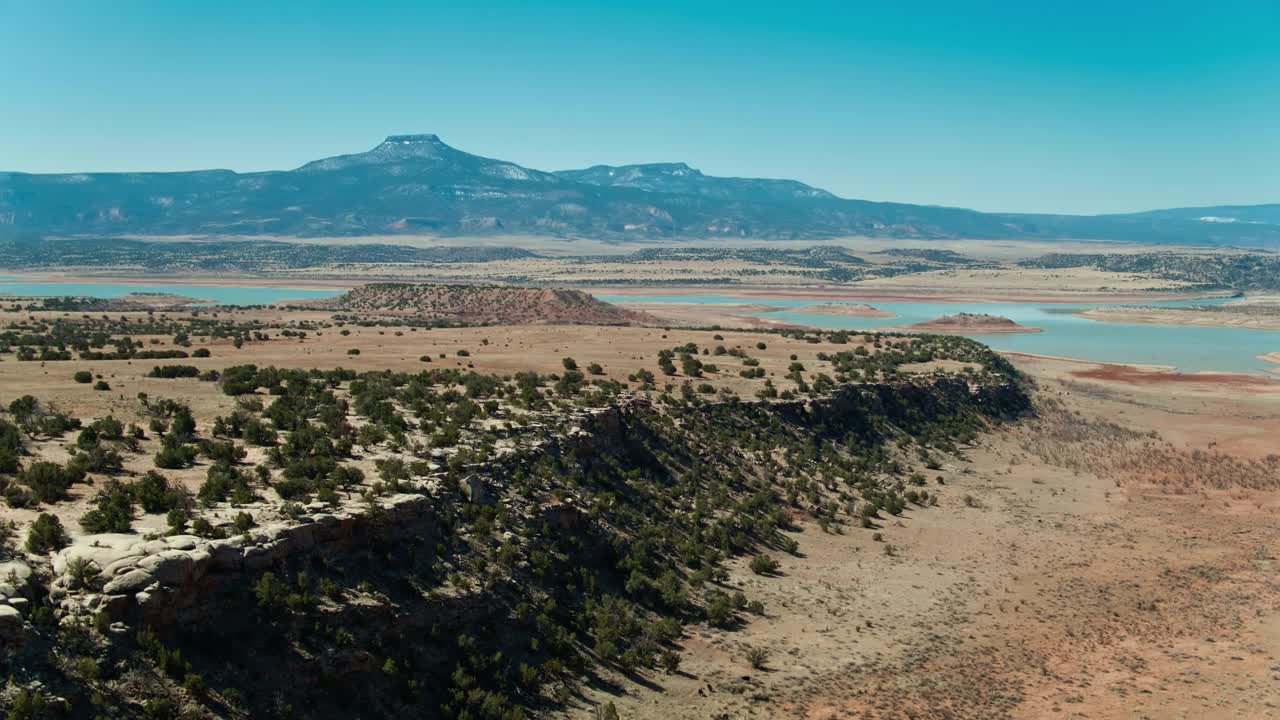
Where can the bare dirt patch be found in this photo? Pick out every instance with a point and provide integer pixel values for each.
(1138, 376)
(1063, 574)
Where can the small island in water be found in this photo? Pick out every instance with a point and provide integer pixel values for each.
(964, 323)
(845, 309)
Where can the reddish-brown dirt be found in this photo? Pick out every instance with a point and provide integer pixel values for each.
(1078, 566)
(1134, 375)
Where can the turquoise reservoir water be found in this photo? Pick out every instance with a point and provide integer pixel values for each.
(217, 294)
(1187, 348)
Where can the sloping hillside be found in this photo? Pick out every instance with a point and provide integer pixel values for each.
(486, 304)
(417, 184)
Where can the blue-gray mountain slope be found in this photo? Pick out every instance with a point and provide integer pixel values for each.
(416, 184)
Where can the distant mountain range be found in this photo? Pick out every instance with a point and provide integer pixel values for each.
(416, 184)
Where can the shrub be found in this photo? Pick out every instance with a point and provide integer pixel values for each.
(84, 377)
(46, 535)
(152, 491)
(243, 522)
(173, 458)
(291, 488)
(224, 452)
(32, 706)
(270, 592)
(23, 408)
(112, 512)
(669, 660)
(108, 428)
(96, 459)
(256, 432)
(763, 565)
(569, 383)
(194, 684)
(9, 462)
(10, 447)
(49, 481)
(758, 657)
(81, 571)
(205, 529)
(169, 372)
(222, 482)
(183, 427)
(101, 385)
(719, 610)
(690, 365)
(15, 496)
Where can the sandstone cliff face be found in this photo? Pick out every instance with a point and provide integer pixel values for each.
(182, 578)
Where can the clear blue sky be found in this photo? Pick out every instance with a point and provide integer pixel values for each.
(1027, 106)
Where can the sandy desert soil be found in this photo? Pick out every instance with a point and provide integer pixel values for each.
(1058, 578)
(570, 246)
(502, 350)
(1013, 283)
(1272, 358)
(918, 287)
(1006, 284)
(714, 274)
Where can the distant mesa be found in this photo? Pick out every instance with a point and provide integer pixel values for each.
(966, 323)
(411, 139)
(485, 304)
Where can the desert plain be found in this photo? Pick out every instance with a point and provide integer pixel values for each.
(1111, 554)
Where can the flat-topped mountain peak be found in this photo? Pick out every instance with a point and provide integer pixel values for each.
(417, 184)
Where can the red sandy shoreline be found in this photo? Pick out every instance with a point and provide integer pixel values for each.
(1134, 374)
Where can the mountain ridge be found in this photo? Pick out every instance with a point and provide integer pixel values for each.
(418, 184)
